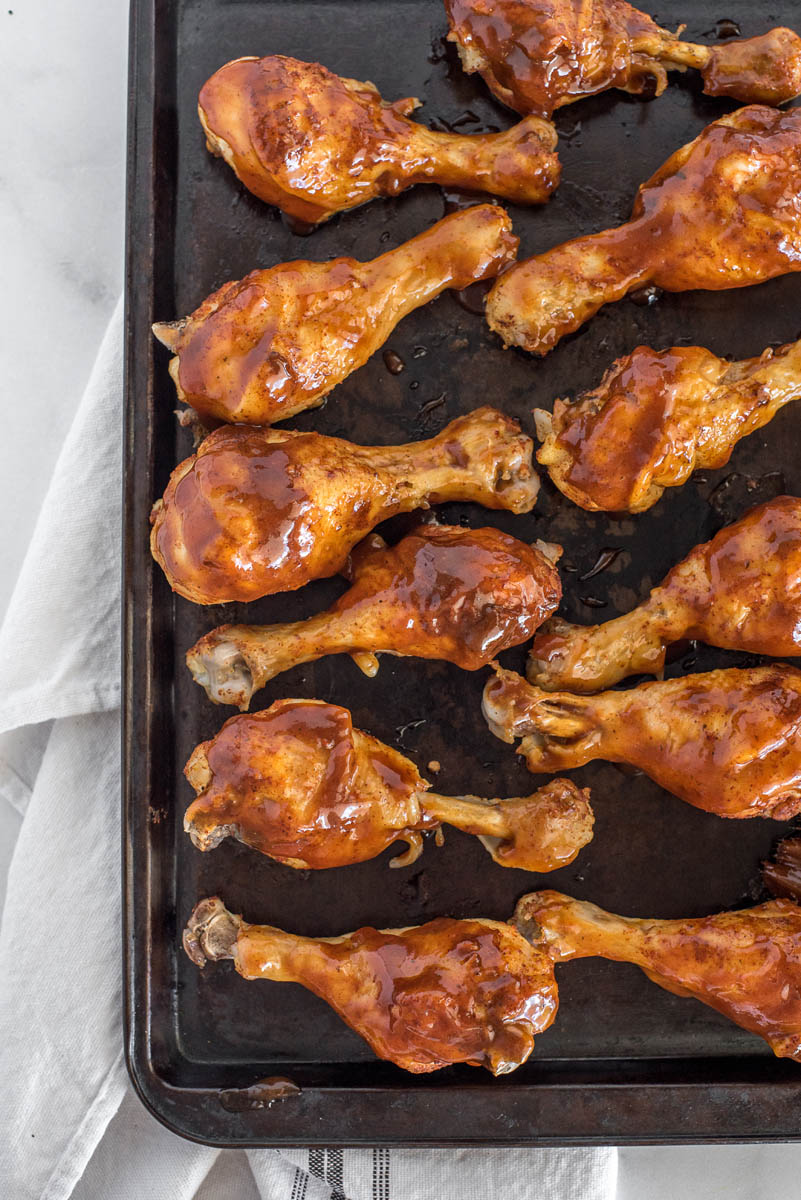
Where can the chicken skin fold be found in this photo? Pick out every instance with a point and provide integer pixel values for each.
(728, 742)
(314, 144)
(443, 592)
(259, 510)
(424, 997)
(739, 591)
(263, 348)
(744, 964)
(724, 211)
(656, 417)
(537, 55)
(297, 782)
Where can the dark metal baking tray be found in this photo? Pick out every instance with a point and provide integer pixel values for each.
(625, 1061)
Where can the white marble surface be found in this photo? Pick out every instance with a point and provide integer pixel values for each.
(62, 92)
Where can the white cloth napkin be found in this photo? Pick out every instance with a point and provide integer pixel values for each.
(69, 1123)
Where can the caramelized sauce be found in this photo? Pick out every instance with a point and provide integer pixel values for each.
(463, 595)
(262, 1094)
(239, 342)
(299, 783)
(256, 511)
(735, 739)
(633, 431)
(445, 992)
(746, 964)
(753, 568)
(240, 519)
(782, 876)
(636, 414)
(263, 109)
(539, 55)
(314, 144)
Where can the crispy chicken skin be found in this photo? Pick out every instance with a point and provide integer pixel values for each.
(537, 55)
(728, 742)
(314, 144)
(444, 592)
(723, 212)
(656, 417)
(270, 345)
(260, 510)
(299, 783)
(740, 591)
(745, 964)
(424, 997)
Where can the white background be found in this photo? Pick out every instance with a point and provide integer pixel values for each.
(62, 95)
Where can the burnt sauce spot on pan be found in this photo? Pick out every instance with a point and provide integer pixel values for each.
(472, 297)
(605, 559)
(782, 875)
(724, 28)
(261, 1094)
(393, 362)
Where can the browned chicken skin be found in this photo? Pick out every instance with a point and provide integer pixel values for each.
(444, 592)
(299, 783)
(315, 144)
(746, 964)
(424, 997)
(265, 347)
(723, 212)
(740, 591)
(656, 417)
(728, 742)
(536, 55)
(260, 510)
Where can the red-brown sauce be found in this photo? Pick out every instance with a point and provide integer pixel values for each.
(614, 447)
(540, 54)
(754, 572)
(464, 595)
(298, 782)
(447, 992)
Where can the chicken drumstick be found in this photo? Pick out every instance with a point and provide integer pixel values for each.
(726, 741)
(265, 347)
(740, 591)
(723, 212)
(424, 997)
(536, 55)
(745, 964)
(315, 144)
(656, 417)
(257, 511)
(299, 783)
(445, 592)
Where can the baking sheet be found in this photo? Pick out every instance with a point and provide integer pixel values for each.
(624, 1060)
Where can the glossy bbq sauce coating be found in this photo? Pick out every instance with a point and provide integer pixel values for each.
(425, 997)
(726, 741)
(746, 964)
(463, 595)
(724, 211)
(256, 111)
(537, 55)
(658, 415)
(263, 348)
(257, 510)
(621, 438)
(752, 569)
(299, 783)
(315, 144)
